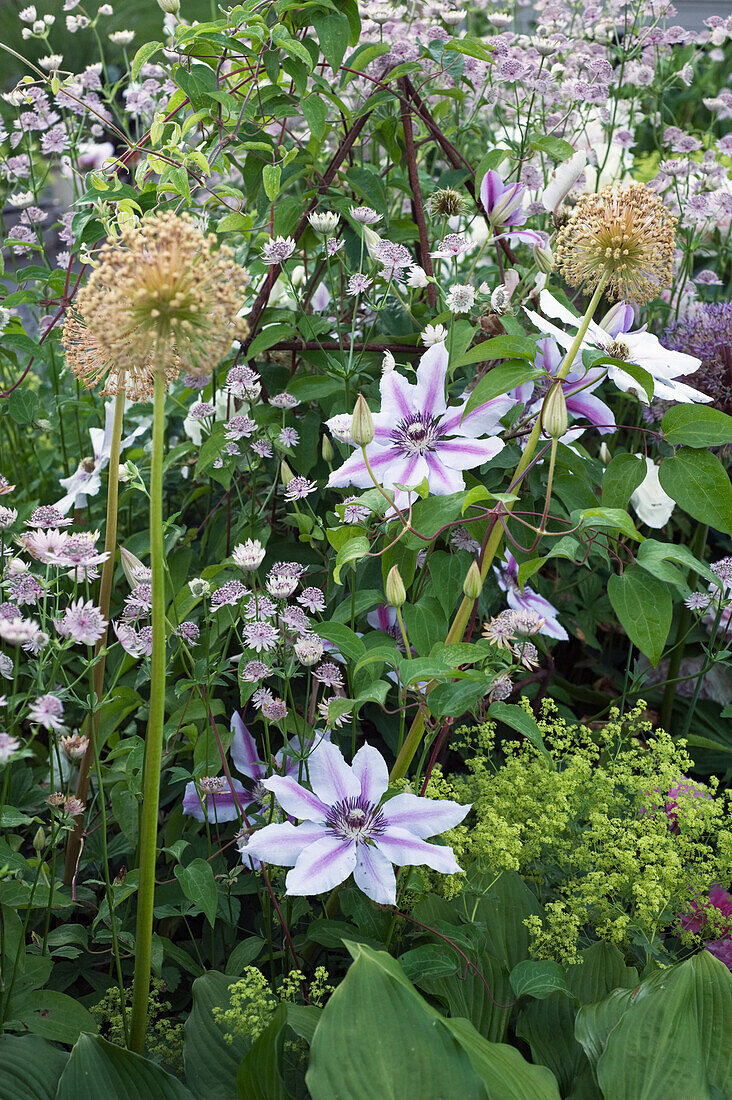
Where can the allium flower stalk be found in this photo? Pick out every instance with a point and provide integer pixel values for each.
(621, 238)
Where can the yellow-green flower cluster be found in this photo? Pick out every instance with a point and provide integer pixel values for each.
(252, 1002)
(588, 826)
(164, 1039)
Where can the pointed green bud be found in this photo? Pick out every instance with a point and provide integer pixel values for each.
(327, 451)
(39, 840)
(473, 583)
(544, 259)
(396, 593)
(554, 412)
(362, 423)
(286, 474)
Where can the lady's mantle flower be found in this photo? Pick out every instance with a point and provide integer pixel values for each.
(346, 828)
(528, 600)
(417, 437)
(615, 338)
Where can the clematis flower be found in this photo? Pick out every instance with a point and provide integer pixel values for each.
(528, 600)
(504, 205)
(216, 799)
(652, 505)
(417, 437)
(86, 482)
(347, 828)
(617, 340)
(578, 389)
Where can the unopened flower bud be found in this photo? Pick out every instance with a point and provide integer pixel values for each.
(199, 587)
(326, 449)
(170, 7)
(507, 205)
(554, 412)
(544, 259)
(605, 455)
(39, 840)
(396, 594)
(286, 474)
(473, 583)
(362, 423)
(134, 570)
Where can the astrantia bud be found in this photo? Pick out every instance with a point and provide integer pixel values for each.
(473, 583)
(248, 555)
(170, 7)
(544, 259)
(554, 412)
(396, 593)
(362, 423)
(324, 222)
(309, 649)
(134, 570)
(199, 587)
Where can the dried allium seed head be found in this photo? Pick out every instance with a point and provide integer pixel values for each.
(624, 234)
(446, 203)
(160, 298)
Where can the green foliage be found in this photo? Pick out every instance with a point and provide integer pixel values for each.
(164, 1043)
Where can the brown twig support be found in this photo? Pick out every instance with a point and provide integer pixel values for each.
(417, 204)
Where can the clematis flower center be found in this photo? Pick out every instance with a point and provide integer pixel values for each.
(355, 819)
(618, 349)
(417, 434)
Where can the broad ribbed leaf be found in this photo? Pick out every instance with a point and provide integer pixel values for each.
(699, 484)
(644, 607)
(505, 1074)
(100, 1069)
(210, 1062)
(29, 1068)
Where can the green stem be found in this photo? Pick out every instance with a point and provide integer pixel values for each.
(460, 622)
(73, 845)
(154, 740)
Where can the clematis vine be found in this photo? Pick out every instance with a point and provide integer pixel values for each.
(614, 336)
(87, 482)
(213, 798)
(417, 437)
(578, 388)
(347, 827)
(528, 600)
(503, 203)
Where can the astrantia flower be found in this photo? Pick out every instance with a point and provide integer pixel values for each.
(358, 284)
(74, 746)
(19, 631)
(8, 746)
(365, 215)
(324, 222)
(460, 298)
(249, 555)
(615, 338)
(158, 289)
(44, 546)
(136, 643)
(47, 711)
(83, 622)
(433, 334)
(347, 829)
(329, 674)
(8, 517)
(47, 516)
(277, 250)
(284, 401)
(312, 599)
(288, 437)
(229, 595)
(454, 244)
(243, 383)
(500, 630)
(298, 488)
(254, 671)
(260, 636)
(239, 427)
(188, 632)
(309, 649)
(623, 236)
(527, 599)
(393, 257)
(417, 436)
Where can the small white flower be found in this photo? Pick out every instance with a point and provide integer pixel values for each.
(324, 222)
(433, 334)
(121, 38)
(21, 199)
(28, 15)
(460, 298)
(417, 277)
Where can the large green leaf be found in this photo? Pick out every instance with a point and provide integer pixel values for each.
(260, 1074)
(502, 910)
(505, 1074)
(697, 426)
(699, 484)
(29, 1068)
(620, 480)
(50, 1014)
(211, 1062)
(100, 1069)
(548, 1027)
(199, 885)
(501, 379)
(671, 1038)
(378, 1039)
(644, 607)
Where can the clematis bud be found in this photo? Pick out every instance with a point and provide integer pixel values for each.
(473, 583)
(286, 474)
(39, 840)
(362, 423)
(134, 570)
(327, 451)
(554, 412)
(396, 593)
(544, 259)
